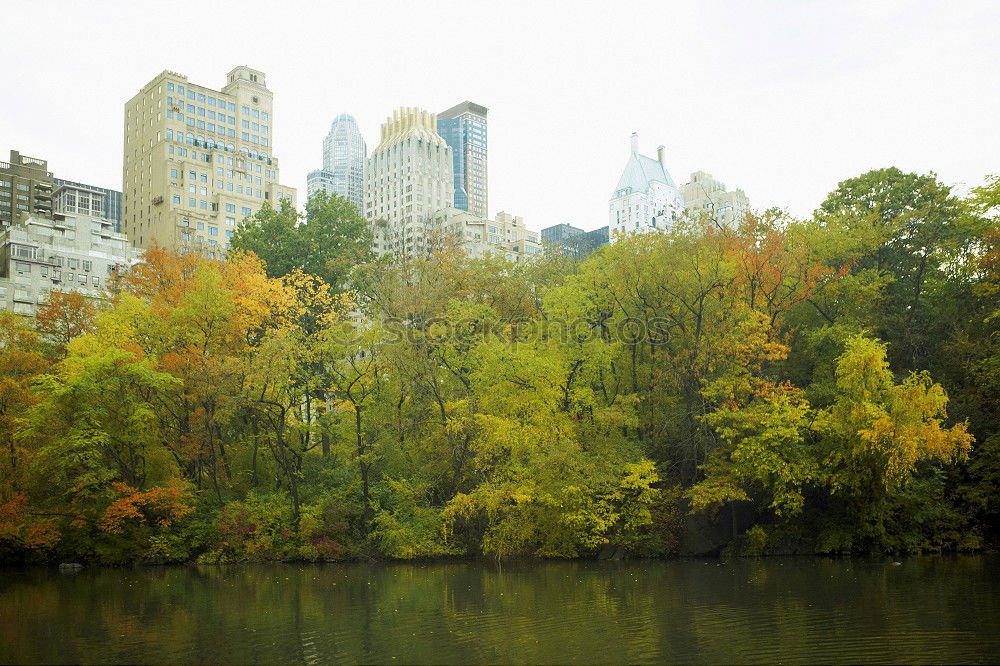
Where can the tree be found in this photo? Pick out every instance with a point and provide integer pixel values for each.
(273, 235)
(877, 432)
(63, 317)
(328, 243)
(915, 229)
(21, 361)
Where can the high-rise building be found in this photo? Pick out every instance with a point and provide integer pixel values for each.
(73, 197)
(645, 198)
(344, 155)
(506, 236)
(25, 189)
(464, 128)
(407, 178)
(198, 161)
(320, 180)
(573, 240)
(58, 252)
(704, 195)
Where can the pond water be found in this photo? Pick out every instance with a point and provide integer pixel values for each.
(923, 610)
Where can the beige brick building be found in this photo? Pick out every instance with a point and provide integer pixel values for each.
(197, 161)
(505, 236)
(704, 195)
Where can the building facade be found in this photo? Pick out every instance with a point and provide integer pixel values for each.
(344, 155)
(704, 195)
(73, 197)
(197, 161)
(319, 180)
(25, 189)
(464, 128)
(646, 198)
(62, 252)
(572, 240)
(407, 177)
(478, 237)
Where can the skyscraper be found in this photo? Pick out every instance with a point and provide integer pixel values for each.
(407, 178)
(645, 198)
(198, 160)
(464, 128)
(344, 155)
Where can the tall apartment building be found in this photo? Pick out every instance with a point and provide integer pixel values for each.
(704, 195)
(25, 189)
(73, 197)
(198, 161)
(61, 252)
(344, 155)
(506, 235)
(464, 128)
(646, 198)
(573, 240)
(408, 177)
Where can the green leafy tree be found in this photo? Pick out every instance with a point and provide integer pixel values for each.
(328, 242)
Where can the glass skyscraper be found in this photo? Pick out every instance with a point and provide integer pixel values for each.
(344, 154)
(463, 127)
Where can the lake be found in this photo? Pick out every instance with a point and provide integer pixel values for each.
(925, 609)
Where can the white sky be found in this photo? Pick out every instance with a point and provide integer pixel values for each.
(783, 99)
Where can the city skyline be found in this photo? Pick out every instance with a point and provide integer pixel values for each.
(771, 104)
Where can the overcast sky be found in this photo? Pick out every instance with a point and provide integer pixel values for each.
(782, 99)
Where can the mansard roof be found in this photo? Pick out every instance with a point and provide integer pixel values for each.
(640, 171)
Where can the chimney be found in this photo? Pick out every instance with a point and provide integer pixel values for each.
(635, 143)
(661, 157)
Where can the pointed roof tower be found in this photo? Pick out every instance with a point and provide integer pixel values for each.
(640, 170)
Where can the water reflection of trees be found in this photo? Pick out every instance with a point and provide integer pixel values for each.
(927, 609)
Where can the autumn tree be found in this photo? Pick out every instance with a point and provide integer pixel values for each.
(63, 317)
(21, 361)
